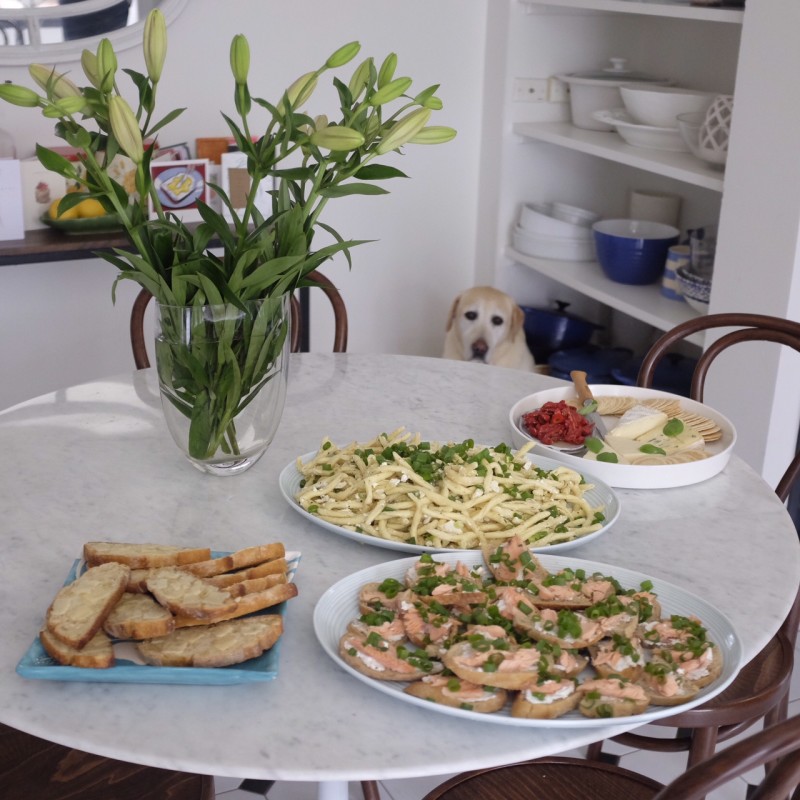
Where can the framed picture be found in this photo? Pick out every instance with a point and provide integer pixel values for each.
(235, 182)
(179, 185)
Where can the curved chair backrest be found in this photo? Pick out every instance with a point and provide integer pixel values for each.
(749, 328)
(139, 346)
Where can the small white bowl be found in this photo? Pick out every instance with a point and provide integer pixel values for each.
(575, 215)
(556, 247)
(643, 135)
(537, 218)
(659, 106)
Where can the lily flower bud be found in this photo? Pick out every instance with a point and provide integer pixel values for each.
(89, 64)
(337, 137)
(344, 54)
(155, 44)
(386, 72)
(434, 134)
(404, 130)
(390, 92)
(300, 91)
(106, 65)
(54, 83)
(360, 78)
(19, 95)
(125, 128)
(320, 122)
(240, 59)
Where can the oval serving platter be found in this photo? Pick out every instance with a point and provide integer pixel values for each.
(599, 495)
(339, 605)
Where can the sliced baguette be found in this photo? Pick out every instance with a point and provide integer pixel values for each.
(138, 616)
(189, 596)
(237, 560)
(79, 609)
(97, 654)
(218, 645)
(255, 585)
(142, 556)
(276, 567)
(246, 604)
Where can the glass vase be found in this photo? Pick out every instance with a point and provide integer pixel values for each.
(222, 374)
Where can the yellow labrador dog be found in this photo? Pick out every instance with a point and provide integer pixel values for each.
(486, 325)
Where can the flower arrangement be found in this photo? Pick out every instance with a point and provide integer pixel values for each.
(308, 161)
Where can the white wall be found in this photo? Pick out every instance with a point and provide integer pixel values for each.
(57, 323)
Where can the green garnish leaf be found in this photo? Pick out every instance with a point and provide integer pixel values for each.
(673, 428)
(593, 444)
(652, 450)
(611, 458)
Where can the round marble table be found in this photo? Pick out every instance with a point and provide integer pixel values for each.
(96, 462)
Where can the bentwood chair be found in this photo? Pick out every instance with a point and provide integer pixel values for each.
(578, 779)
(760, 690)
(139, 346)
(35, 769)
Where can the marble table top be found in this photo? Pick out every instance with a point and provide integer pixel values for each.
(96, 462)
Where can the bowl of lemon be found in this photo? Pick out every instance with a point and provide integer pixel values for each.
(87, 216)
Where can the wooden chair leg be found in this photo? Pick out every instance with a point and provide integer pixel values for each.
(595, 751)
(704, 743)
(370, 790)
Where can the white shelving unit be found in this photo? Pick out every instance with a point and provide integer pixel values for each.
(541, 156)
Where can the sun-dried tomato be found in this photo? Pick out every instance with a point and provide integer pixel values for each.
(557, 422)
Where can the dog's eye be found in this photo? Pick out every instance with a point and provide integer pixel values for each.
(497, 320)
(471, 315)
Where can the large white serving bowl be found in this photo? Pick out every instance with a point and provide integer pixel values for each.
(638, 135)
(630, 476)
(660, 105)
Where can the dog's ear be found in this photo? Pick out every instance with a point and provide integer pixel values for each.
(517, 319)
(453, 311)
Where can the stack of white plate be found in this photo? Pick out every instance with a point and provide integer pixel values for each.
(555, 230)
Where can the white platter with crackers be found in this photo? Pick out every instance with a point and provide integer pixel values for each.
(339, 605)
(126, 663)
(718, 432)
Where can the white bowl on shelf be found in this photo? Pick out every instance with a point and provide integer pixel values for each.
(556, 247)
(639, 135)
(575, 215)
(539, 219)
(659, 106)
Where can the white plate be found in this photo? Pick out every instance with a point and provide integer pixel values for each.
(642, 135)
(339, 605)
(599, 495)
(629, 476)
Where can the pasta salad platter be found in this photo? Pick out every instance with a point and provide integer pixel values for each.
(403, 493)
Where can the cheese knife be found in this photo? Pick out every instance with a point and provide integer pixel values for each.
(588, 405)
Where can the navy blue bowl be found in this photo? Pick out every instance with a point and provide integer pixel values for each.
(633, 251)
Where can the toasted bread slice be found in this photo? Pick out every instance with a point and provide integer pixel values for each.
(256, 584)
(612, 697)
(142, 556)
(186, 595)
(79, 609)
(457, 693)
(241, 558)
(276, 567)
(138, 616)
(218, 645)
(246, 604)
(548, 698)
(97, 654)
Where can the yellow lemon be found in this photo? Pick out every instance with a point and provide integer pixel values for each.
(71, 213)
(90, 208)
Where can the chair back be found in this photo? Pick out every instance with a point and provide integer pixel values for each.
(314, 278)
(749, 328)
(777, 746)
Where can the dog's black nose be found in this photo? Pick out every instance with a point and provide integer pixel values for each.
(479, 348)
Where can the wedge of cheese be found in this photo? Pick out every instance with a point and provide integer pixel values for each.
(643, 427)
